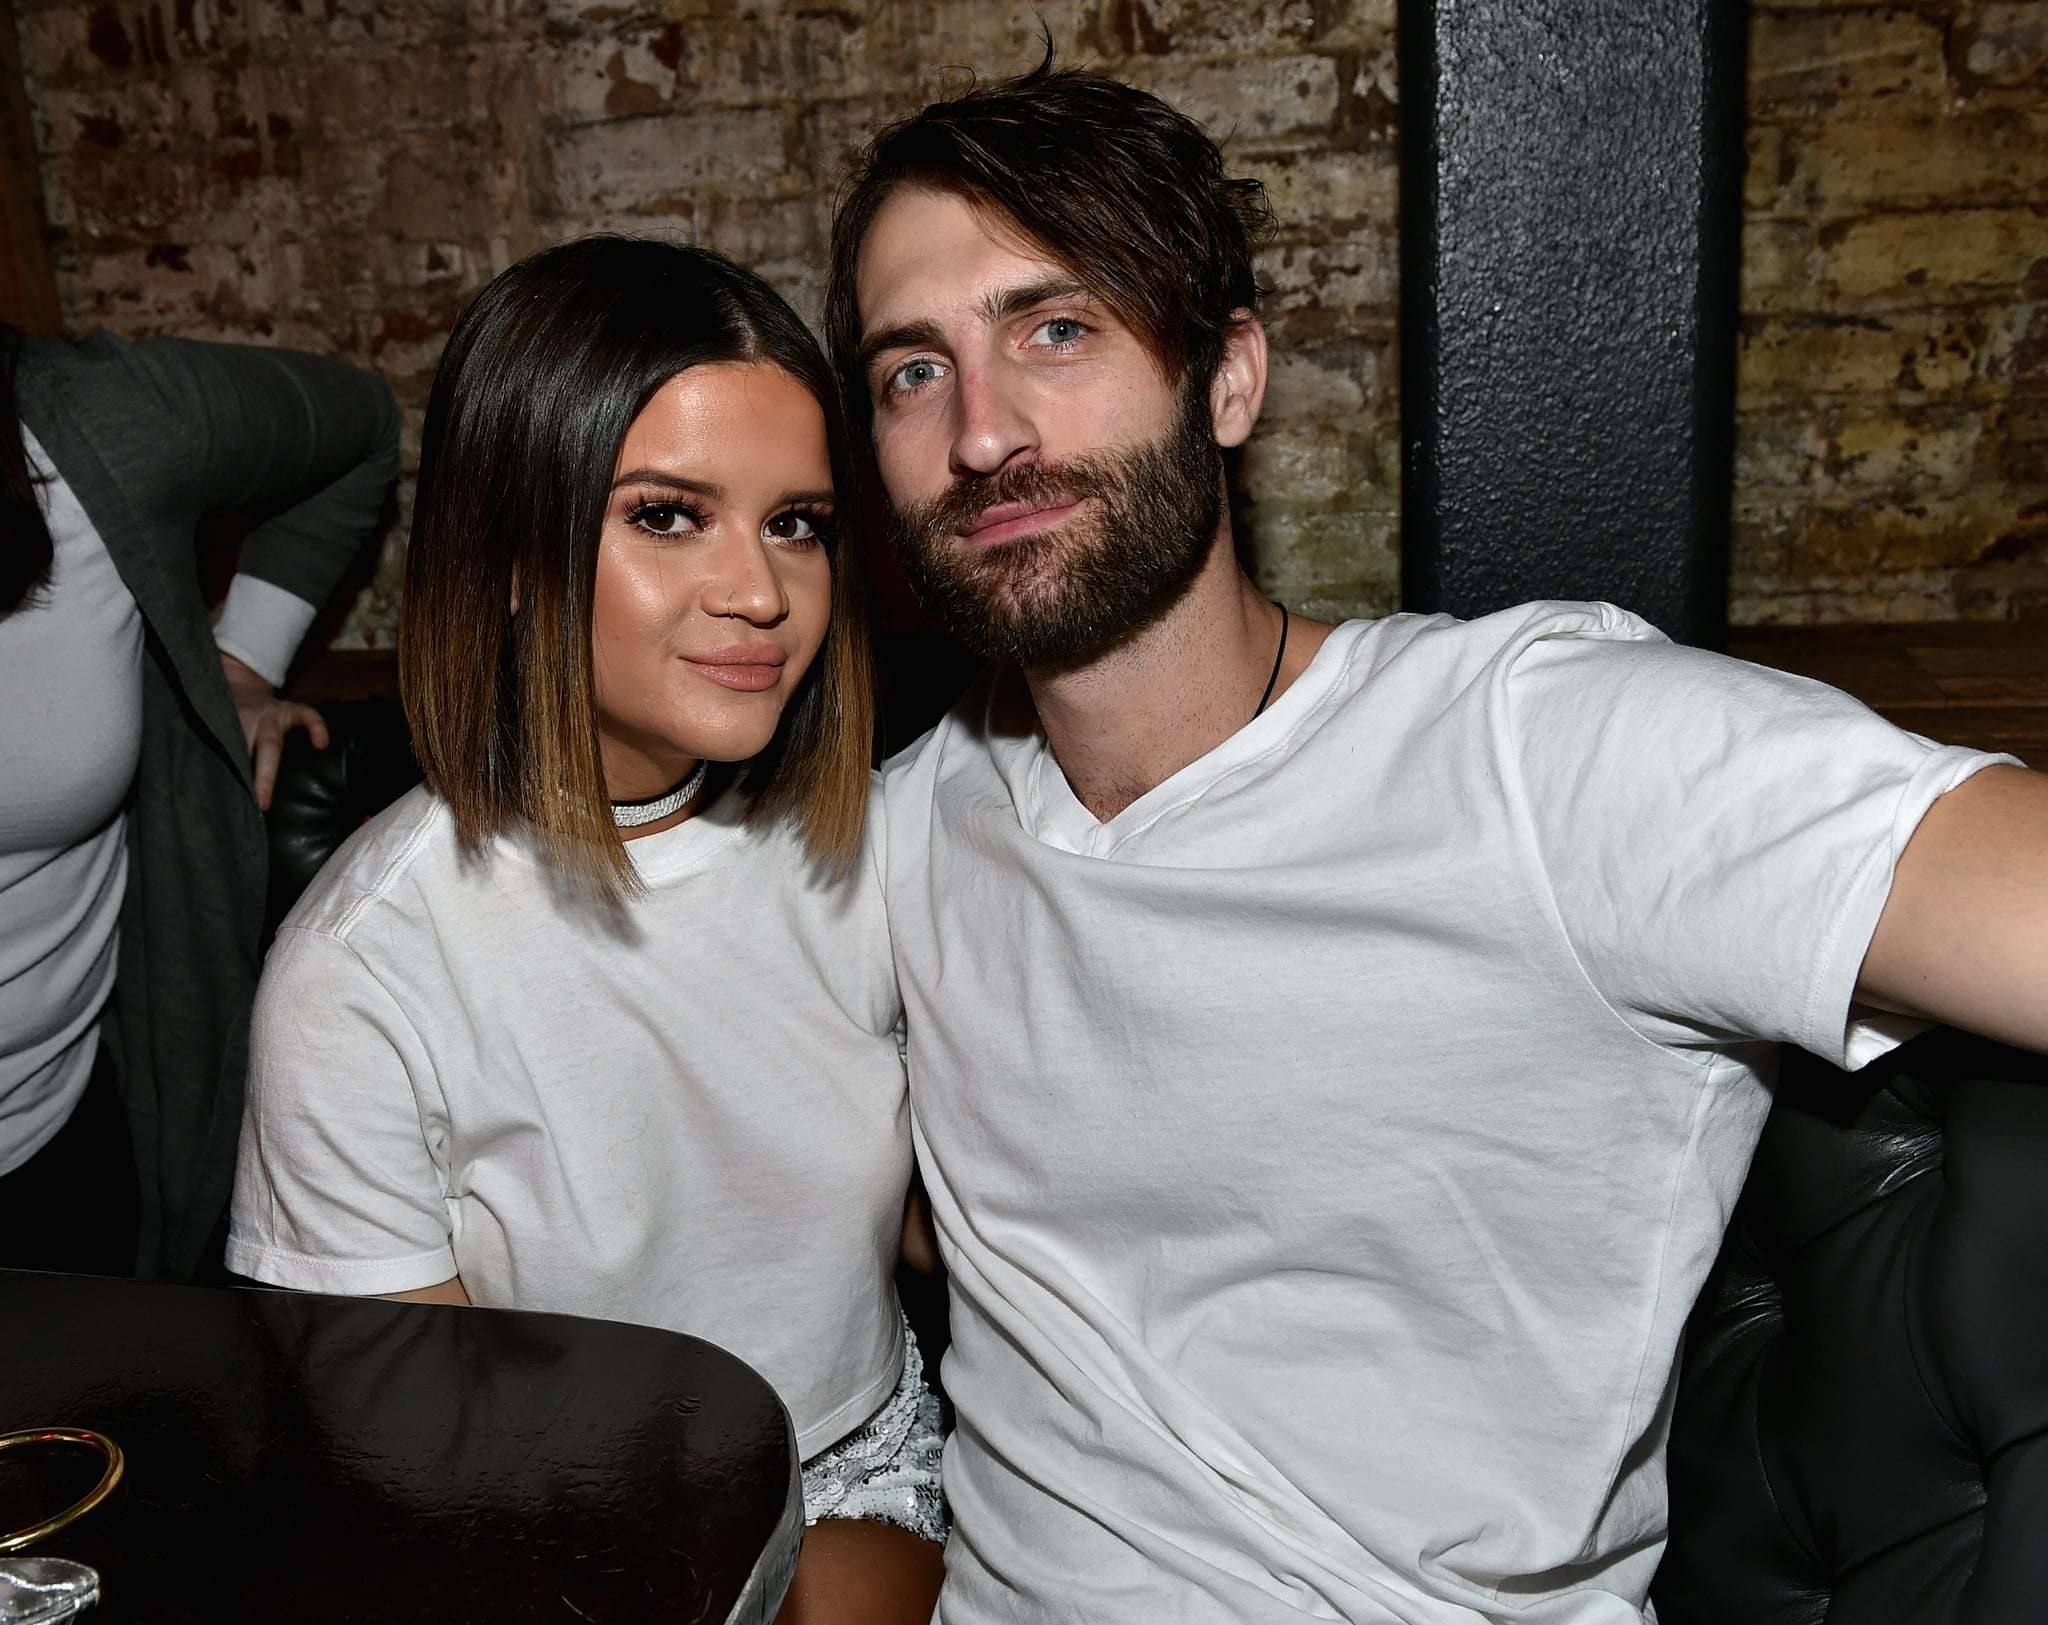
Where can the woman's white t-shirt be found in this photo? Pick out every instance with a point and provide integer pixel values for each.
(686, 1110)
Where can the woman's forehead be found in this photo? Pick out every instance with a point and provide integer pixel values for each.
(721, 421)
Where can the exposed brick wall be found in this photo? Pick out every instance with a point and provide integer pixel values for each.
(342, 173)
(1893, 392)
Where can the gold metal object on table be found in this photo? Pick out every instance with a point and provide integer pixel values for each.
(116, 1465)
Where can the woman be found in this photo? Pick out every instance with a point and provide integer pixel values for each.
(600, 1020)
(139, 741)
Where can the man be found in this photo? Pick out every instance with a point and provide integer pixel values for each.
(1335, 1051)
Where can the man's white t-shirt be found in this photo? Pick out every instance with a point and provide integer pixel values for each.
(685, 1112)
(1327, 1149)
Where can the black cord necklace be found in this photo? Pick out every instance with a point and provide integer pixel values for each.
(1279, 655)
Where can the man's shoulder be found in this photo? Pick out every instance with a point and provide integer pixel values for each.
(1488, 639)
(1376, 672)
(994, 706)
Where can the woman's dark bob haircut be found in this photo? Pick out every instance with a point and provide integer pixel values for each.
(542, 377)
(1104, 179)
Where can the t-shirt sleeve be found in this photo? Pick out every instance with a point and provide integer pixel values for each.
(337, 1188)
(1719, 838)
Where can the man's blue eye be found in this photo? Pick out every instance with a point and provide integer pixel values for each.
(1062, 330)
(915, 374)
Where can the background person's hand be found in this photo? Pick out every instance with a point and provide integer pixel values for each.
(266, 719)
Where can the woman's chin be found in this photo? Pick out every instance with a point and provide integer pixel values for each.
(728, 749)
(635, 754)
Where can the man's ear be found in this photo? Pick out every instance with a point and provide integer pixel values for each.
(1239, 386)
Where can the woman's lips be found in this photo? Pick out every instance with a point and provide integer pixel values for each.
(750, 670)
(1009, 520)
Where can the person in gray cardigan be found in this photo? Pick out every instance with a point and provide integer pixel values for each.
(140, 741)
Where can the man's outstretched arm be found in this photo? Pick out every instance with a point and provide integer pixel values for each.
(1964, 934)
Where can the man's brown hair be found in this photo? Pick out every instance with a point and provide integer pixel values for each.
(1106, 180)
(541, 379)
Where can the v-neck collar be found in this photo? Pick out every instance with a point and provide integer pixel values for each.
(1053, 814)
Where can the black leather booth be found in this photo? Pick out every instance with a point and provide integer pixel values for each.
(1861, 1434)
(324, 796)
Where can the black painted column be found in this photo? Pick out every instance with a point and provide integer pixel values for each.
(1571, 177)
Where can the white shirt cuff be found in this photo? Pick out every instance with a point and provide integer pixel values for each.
(261, 625)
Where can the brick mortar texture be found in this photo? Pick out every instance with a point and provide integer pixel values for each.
(1892, 396)
(342, 174)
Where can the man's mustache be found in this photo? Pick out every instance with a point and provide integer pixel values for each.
(1045, 485)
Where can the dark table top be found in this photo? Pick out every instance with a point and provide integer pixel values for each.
(310, 1459)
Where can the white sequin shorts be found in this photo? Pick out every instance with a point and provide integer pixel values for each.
(887, 1469)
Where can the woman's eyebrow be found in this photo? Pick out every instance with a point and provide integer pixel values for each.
(670, 482)
(662, 480)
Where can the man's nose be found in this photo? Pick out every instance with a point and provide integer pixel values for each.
(991, 427)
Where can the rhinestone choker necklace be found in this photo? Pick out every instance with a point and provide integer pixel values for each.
(632, 814)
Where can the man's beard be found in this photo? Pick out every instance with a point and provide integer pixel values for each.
(1066, 596)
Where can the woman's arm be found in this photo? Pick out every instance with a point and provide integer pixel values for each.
(339, 1185)
(920, 1244)
(449, 1291)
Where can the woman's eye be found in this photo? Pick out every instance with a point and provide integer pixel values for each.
(912, 376)
(793, 526)
(664, 519)
(1060, 330)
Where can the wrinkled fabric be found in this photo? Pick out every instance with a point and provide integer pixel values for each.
(1325, 1150)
